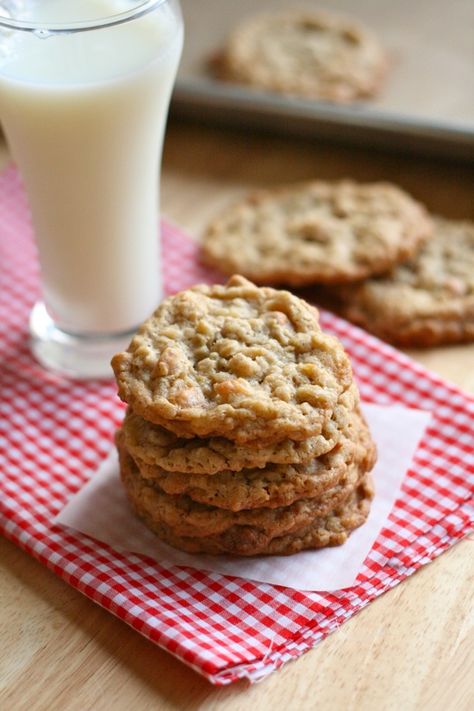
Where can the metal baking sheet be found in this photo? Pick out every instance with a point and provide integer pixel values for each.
(427, 104)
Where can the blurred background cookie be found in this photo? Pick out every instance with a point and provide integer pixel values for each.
(426, 302)
(317, 233)
(306, 53)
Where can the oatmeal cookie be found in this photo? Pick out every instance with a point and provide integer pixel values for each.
(426, 302)
(186, 517)
(276, 485)
(316, 55)
(290, 535)
(238, 361)
(317, 233)
(330, 530)
(155, 446)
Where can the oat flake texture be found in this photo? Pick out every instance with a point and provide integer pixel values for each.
(238, 361)
(156, 446)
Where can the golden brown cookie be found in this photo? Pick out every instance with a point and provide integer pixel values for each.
(316, 55)
(293, 529)
(156, 446)
(236, 361)
(190, 518)
(317, 233)
(276, 485)
(331, 530)
(425, 302)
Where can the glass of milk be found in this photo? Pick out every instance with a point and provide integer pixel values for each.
(84, 94)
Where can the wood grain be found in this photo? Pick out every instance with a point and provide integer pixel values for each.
(412, 649)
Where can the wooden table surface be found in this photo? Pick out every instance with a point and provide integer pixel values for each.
(413, 648)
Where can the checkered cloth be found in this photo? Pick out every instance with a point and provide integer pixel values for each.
(54, 433)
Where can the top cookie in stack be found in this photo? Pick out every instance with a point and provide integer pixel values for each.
(243, 433)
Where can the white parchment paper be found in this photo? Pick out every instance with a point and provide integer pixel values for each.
(100, 509)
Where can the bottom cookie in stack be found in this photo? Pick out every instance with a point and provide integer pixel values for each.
(331, 529)
(275, 510)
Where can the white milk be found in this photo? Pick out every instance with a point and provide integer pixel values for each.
(84, 116)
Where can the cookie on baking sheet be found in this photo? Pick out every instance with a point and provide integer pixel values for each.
(275, 485)
(316, 55)
(317, 233)
(155, 446)
(427, 301)
(236, 361)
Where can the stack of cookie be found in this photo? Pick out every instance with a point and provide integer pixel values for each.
(243, 433)
(374, 253)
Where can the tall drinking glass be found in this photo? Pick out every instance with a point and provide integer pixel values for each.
(84, 95)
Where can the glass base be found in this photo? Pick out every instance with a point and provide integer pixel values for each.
(81, 357)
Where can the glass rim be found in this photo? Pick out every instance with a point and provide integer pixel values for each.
(143, 8)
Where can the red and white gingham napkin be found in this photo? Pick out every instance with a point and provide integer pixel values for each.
(54, 433)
